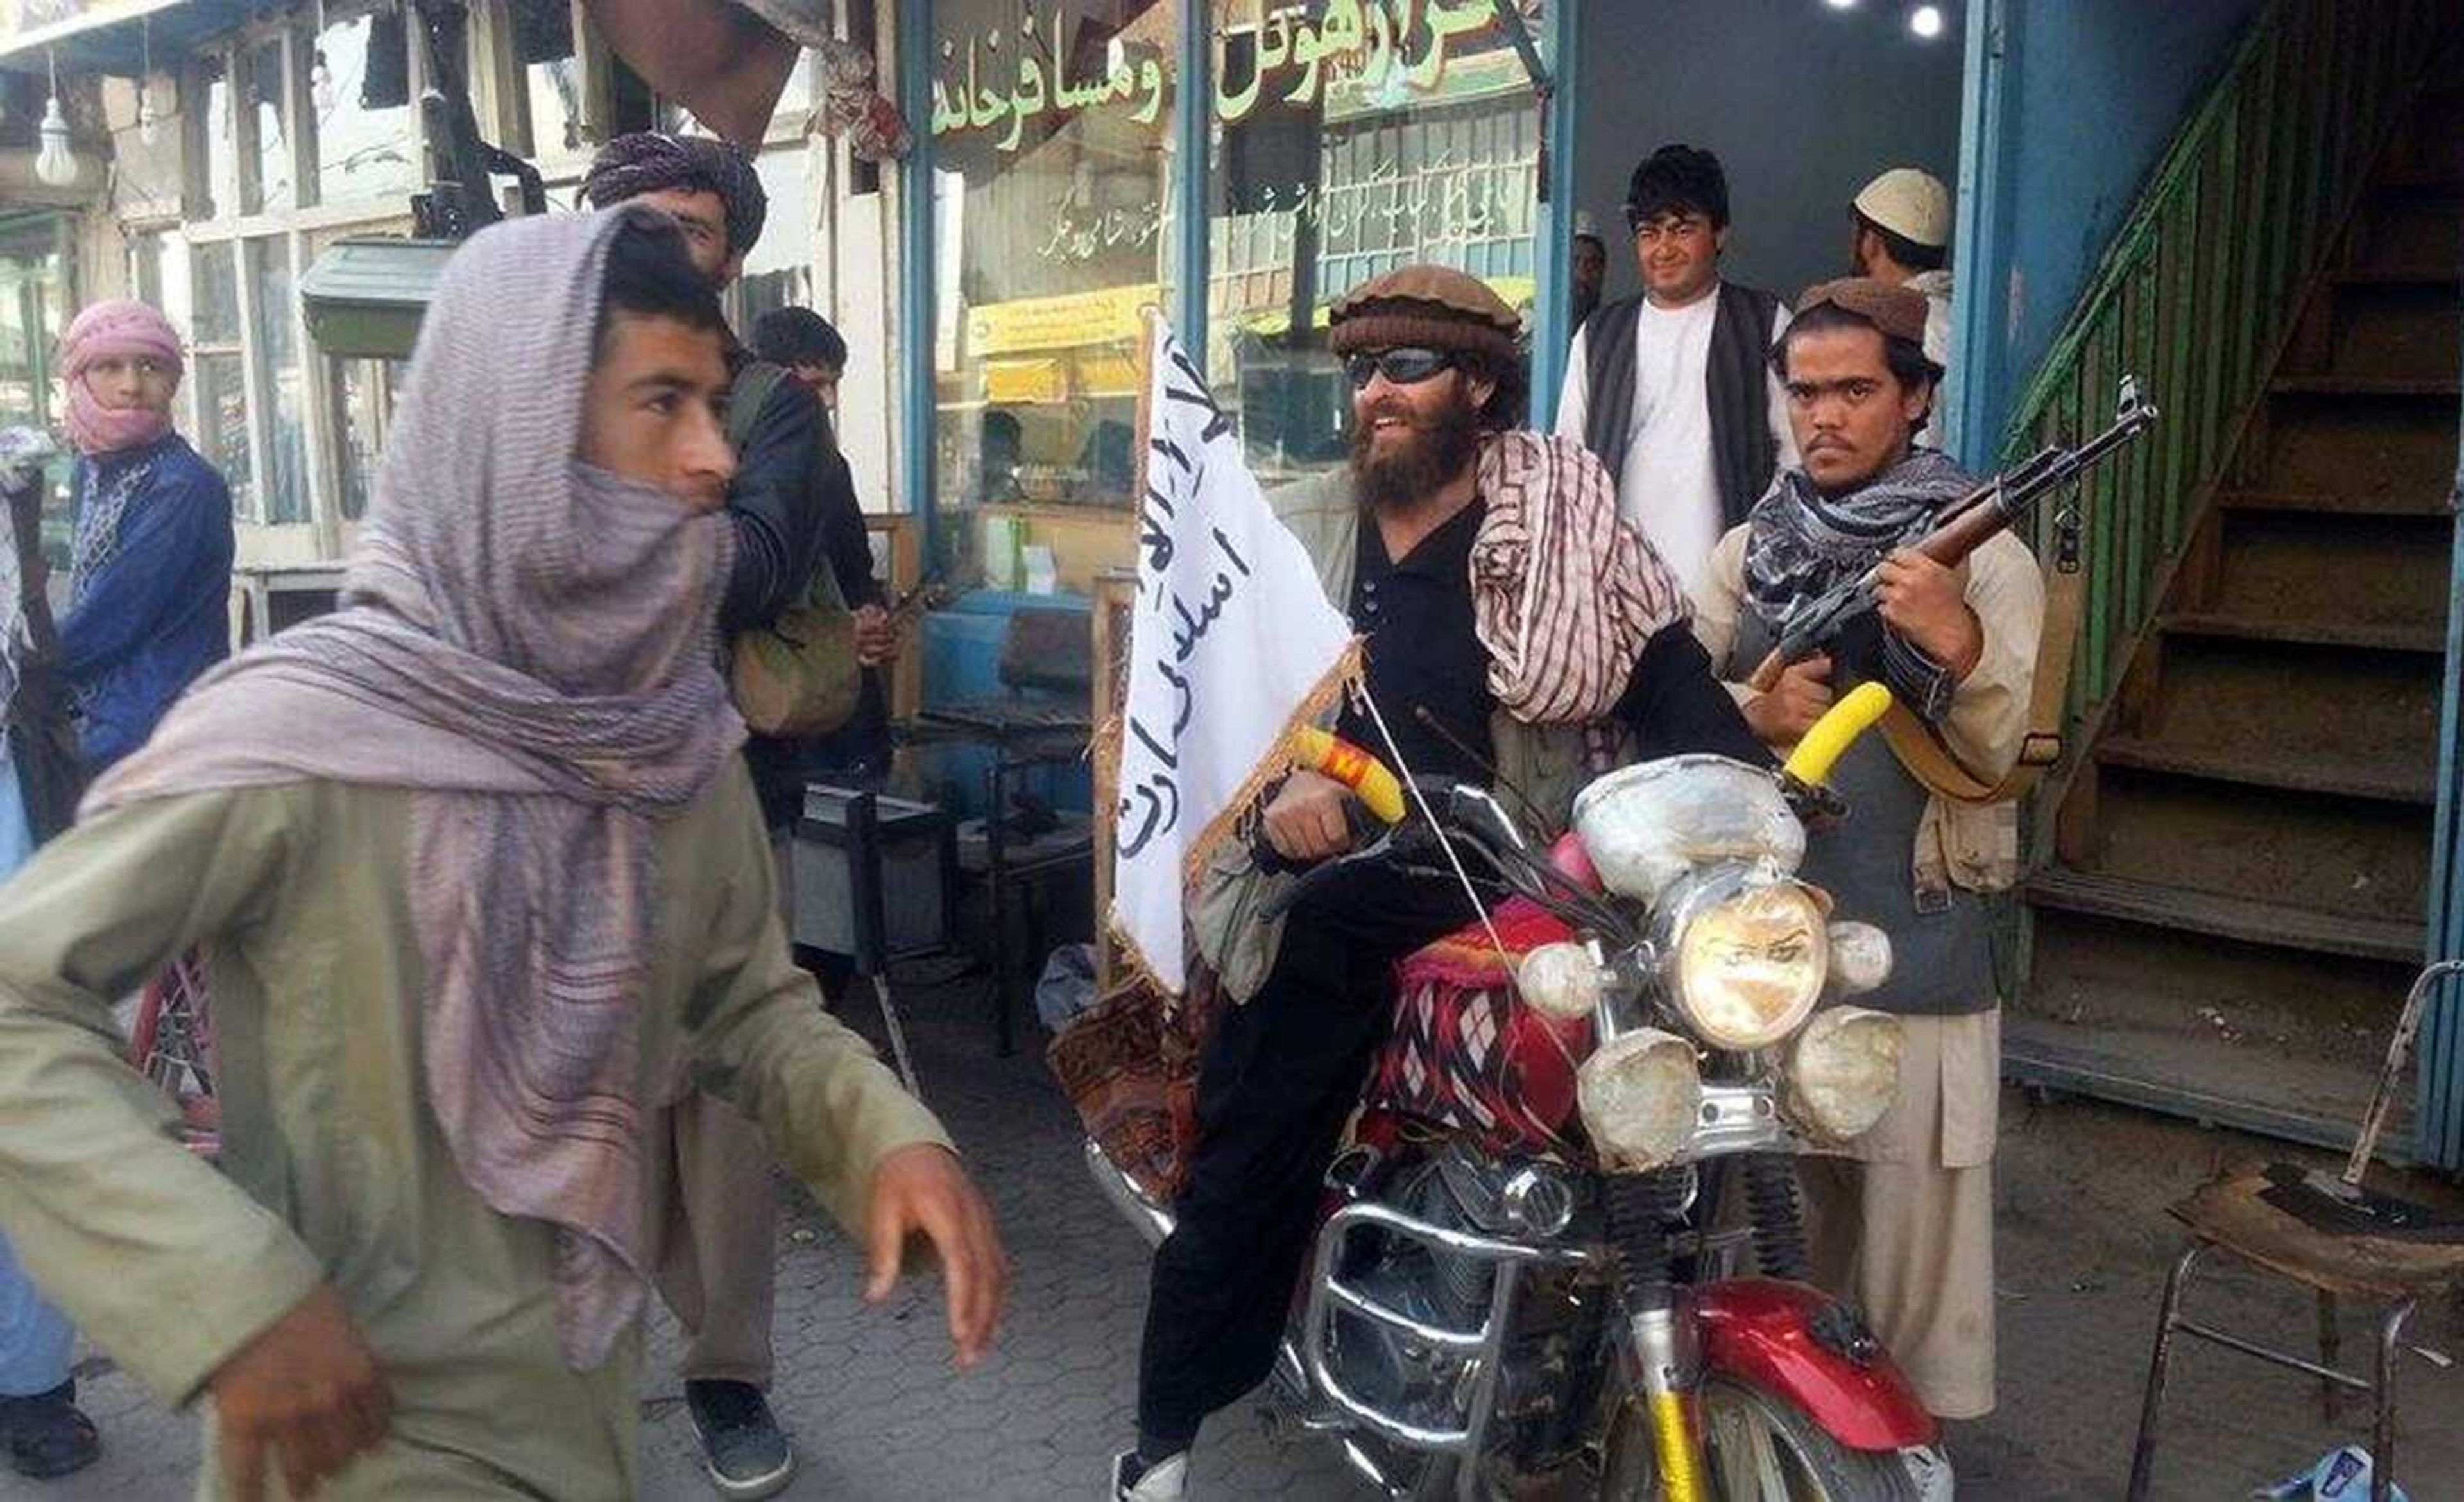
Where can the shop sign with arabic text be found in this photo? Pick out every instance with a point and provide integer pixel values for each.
(1392, 50)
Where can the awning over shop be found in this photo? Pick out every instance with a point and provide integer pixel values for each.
(107, 36)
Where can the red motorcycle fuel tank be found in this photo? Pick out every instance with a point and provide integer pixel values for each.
(1799, 1344)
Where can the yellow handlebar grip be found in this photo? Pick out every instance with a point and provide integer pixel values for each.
(1835, 732)
(1347, 764)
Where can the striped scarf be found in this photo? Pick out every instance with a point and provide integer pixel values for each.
(1565, 594)
(527, 645)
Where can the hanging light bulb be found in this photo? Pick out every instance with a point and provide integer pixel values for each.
(1925, 21)
(56, 164)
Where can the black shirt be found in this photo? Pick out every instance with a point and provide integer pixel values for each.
(1424, 661)
(1422, 655)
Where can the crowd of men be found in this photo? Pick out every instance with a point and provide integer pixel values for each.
(476, 1107)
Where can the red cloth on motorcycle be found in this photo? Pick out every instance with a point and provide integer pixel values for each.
(1466, 1055)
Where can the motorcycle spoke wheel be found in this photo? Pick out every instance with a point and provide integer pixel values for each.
(1755, 1449)
(1749, 1460)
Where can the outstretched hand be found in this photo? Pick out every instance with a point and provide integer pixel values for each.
(922, 1189)
(305, 1397)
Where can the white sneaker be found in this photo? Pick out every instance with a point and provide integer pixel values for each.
(1163, 1482)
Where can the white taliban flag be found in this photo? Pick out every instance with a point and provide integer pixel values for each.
(1233, 642)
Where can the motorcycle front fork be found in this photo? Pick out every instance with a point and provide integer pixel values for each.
(1640, 1209)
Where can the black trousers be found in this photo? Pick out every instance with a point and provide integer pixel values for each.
(1281, 1075)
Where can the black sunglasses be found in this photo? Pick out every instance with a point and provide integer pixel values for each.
(1409, 365)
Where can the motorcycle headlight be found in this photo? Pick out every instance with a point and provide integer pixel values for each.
(1561, 979)
(1751, 966)
(1860, 958)
(1642, 1094)
(1844, 1071)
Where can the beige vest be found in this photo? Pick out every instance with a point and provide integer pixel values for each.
(1545, 762)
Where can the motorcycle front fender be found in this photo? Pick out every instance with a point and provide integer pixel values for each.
(1787, 1339)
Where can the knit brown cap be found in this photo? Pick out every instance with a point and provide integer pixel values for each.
(1898, 312)
(1434, 307)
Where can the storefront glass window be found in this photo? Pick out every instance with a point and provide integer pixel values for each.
(275, 188)
(1052, 123)
(359, 86)
(221, 386)
(280, 379)
(1352, 137)
(219, 172)
(778, 272)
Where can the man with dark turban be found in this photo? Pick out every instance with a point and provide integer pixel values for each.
(788, 495)
(1514, 623)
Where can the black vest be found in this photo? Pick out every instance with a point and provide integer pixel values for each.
(1744, 455)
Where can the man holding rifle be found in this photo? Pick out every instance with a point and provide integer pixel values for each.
(1904, 1228)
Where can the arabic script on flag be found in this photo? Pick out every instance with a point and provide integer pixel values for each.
(1232, 642)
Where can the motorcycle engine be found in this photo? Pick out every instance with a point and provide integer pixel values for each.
(1548, 1387)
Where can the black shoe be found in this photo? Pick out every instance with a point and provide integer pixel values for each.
(741, 1444)
(45, 1435)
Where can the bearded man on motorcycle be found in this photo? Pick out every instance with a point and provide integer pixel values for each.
(1517, 633)
(1903, 1227)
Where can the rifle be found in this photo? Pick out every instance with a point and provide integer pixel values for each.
(1964, 526)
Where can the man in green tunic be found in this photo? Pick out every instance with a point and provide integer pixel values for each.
(482, 884)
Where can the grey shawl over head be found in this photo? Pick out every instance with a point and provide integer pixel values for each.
(527, 644)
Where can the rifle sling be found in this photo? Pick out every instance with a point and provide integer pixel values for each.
(1929, 758)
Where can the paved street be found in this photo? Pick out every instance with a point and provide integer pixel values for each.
(878, 1415)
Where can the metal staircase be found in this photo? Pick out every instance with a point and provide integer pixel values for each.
(2233, 870)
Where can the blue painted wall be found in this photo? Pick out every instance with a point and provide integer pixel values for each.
(2093, 92)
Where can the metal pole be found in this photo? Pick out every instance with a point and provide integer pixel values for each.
(2438, 1138)
(1972, 417)
(1559, 108)
(916, 264)
(1192, 136)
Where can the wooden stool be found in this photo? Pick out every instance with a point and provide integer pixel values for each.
(2230, 1215)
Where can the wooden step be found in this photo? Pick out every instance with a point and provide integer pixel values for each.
(2276, 1093)
(2273, 924)
(2385, 387)
(2370, 446)
(2294, 704)
(2254, 769)
(2329, 503)
(2368, 635)
(2358, 859)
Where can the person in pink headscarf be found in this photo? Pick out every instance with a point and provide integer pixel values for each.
(150, 576)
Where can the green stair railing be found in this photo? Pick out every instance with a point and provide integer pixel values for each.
(2202, 288)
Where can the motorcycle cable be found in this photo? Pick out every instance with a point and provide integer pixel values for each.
(1496, 779)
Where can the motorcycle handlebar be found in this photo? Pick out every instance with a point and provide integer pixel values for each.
(1368, 778)
(1810, 763)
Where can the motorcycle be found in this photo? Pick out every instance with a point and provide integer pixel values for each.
(1539, 1288)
